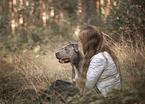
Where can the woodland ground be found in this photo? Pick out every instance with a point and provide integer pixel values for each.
(26, 73)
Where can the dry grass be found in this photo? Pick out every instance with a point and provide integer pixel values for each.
(24, 75)
(131, 53)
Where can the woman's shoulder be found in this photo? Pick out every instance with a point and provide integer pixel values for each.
(101, 56)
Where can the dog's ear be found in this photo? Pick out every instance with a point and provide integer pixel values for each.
(76, 46)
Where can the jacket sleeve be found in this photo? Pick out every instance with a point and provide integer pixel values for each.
(96, 68)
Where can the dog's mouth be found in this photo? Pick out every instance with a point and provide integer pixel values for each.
(64, 60)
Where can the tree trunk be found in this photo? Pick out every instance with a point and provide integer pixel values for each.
(100, 7)
(36, 12)
(89, 11)
(85, 8)
(92, 11)
(5, 13)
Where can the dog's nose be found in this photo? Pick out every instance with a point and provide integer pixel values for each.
(57, 54)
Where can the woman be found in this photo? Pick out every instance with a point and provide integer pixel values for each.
(100, 67)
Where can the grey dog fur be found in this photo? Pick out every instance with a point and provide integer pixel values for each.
(71, 52)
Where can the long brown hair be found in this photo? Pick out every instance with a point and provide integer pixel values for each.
(92, 40)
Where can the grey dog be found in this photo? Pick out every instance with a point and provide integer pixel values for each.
(60, 88)
(63, 89)
(71, 54)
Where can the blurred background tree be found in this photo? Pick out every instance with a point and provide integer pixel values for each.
(31, 31)
(92, 12)
(25, 23)
(127, 17)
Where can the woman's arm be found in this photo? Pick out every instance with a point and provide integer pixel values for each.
(96, 68)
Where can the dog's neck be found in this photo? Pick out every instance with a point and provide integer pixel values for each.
(76, 65)
(79, 59)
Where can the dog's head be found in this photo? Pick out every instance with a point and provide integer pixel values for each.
(67, 53)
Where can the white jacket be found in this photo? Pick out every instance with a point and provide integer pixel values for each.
(103, 74)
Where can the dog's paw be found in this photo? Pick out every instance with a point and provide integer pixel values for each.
(75, 79)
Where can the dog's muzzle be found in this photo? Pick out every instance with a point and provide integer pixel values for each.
(61, 60)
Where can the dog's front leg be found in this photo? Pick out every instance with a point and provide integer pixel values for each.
(73, 74)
